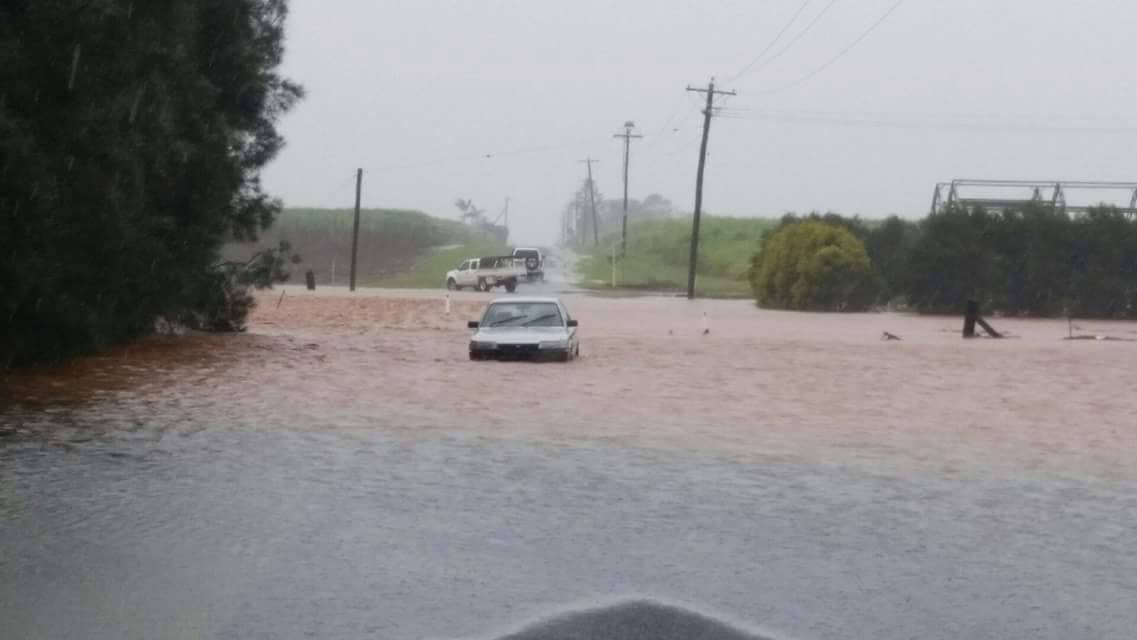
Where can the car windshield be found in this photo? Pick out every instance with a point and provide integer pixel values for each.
(523, 314)
(526, 253)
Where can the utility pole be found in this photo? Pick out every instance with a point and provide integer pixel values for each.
(355, 227)
(708, 112)
(627, 135)
(592, 201)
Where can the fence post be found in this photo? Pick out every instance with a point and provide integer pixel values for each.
(969, 318)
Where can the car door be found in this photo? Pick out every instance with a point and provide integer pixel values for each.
(566, 316)
(469, 277)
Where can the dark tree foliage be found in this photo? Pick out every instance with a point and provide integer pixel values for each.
(1031, 260)
(889, 246)
(132, 135)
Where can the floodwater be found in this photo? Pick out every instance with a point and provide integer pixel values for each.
(343, 471)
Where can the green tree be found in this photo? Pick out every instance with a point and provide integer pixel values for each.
(132, 135)
(890, 245)
(1103, 264)
(952, 262)
(813, 266)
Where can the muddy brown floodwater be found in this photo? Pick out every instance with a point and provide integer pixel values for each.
(343, 471)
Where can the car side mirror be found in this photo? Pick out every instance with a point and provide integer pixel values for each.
(572, 323)
(473, 324)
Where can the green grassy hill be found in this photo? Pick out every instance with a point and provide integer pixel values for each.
(428, 271)
(658, 253)
(397, 248)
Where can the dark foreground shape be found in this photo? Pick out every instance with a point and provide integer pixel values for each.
(637, 620)
(971, 318)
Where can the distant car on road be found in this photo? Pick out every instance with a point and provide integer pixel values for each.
(486, 273)
(525, 328)
(534, 262)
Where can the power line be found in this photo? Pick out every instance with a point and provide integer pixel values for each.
(708, 113)
(829, 63)
(657, 135)
(773, 42)
(484, 156)
(801, 34)
(956, 116)
(676, 113)
(355, 227)
(592, 202)
(628, 136)
(956, 123)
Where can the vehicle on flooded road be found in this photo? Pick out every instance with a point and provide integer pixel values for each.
(534, 262)
(486, 273)
(525, 329)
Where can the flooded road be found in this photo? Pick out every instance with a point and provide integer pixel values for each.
(343, 471)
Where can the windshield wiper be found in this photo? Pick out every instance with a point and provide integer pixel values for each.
(540, 318)
(505, 320)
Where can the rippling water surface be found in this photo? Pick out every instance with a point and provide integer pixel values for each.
(342, 471)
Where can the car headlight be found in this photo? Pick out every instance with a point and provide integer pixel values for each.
(483, 345)
(555, 344)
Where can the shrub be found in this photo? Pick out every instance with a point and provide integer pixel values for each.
(813, 266)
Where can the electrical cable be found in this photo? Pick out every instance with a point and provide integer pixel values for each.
(789, 45)
(829, 63)
(773, 42)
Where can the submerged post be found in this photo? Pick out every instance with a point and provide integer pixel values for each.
(969, 318)
(972, 318)
(310, 278)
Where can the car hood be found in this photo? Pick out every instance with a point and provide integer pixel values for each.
(521, 335)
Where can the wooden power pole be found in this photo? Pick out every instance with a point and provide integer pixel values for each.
(592, 201)
(355, 228)
(628, 136)
(708, 112)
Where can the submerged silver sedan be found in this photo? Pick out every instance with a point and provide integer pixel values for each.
(525, 328)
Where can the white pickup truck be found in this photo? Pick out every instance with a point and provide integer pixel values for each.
(486, 273)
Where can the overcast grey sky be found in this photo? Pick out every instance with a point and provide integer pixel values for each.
(417, 92)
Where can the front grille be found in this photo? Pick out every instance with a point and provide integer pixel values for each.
(518, 349)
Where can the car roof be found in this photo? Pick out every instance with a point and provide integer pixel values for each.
(524, 300)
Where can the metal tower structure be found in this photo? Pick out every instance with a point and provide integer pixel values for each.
(1054, 192)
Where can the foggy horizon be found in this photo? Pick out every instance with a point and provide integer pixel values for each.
(419, 93)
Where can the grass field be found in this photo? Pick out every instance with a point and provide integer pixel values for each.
(395, 245)
(402, 223)
(428, 270)
(658, 253)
